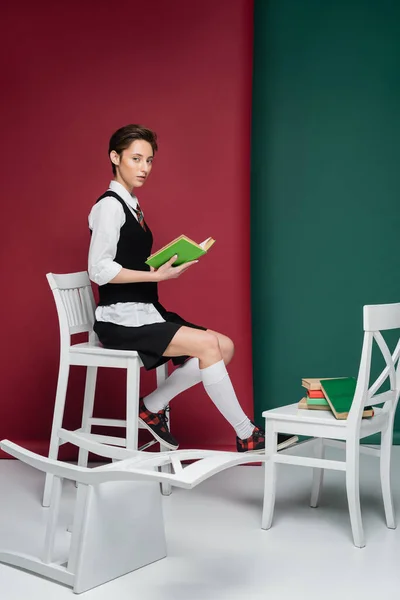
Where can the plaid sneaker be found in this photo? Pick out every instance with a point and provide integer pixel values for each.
(256, 442)
(157, 424)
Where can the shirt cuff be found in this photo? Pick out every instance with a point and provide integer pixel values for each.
(105, 274)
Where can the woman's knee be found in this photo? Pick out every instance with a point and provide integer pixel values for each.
(195, 342)
(210, 343)
(228, 348)
(226, 345)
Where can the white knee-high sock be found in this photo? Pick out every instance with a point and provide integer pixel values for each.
(181, 379)
(218, 386)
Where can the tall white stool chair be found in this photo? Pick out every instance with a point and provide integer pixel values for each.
(75, 305)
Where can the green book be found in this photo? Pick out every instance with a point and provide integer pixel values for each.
(317, 401)
(339, 394)
(185, 248)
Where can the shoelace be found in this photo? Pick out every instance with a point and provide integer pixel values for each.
(162, 415)
(258, 433)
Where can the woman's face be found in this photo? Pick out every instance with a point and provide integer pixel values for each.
(134, 164)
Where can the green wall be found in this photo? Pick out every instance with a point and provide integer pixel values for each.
(325, 211)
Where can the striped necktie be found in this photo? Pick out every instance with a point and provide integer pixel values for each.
(140, 216)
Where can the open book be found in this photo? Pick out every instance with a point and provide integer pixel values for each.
(339, 394)
(184, 247)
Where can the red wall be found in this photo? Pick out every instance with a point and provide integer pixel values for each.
(73, 73)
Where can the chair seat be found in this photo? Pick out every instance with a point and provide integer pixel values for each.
(292, 412)
(96, 348)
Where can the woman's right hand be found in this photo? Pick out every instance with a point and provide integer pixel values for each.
(167, 271)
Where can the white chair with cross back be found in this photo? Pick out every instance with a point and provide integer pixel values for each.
(327, 430)
(75, 305)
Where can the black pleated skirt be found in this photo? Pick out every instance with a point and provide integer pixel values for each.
(149, 341)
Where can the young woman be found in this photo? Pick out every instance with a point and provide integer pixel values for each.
(129, 315)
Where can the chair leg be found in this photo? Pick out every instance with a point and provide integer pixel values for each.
(58, 415)
(385, 460)
(318, 474)
(132, 403)
(52, 520)
(166, 488)
(270, 476)
(353, 491)
(161, 375)
(87, 413)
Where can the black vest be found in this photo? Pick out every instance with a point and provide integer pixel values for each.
(133, 249)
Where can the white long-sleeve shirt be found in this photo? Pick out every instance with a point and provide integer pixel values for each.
(105, 220)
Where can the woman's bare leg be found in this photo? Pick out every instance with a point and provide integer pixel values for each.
(203, 345)
(185, 377)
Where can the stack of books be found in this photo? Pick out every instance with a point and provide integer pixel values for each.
(331, 393)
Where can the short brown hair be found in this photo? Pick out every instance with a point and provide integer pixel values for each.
(124, 136)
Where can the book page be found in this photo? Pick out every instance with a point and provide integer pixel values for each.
(203, 244)
(206, 245)
(181, 237)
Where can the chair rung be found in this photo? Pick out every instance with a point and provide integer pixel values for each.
(363, 448)
(370, 451)
(31, 563)
(108, 422)
(145, 446)
(88, 442)
(306, 461)
(104, 439)
(62, 441)
(111, 423)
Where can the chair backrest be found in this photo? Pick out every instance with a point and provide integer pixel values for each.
(378, 318)
(75, 303)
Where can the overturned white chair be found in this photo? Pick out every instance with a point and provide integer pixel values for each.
(348, 433)
(118, 524)
(75, 309)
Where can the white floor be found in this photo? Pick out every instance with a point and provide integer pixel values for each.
(216, 548)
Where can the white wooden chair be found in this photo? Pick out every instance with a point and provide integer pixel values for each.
(327, 430)
(118, 523)
(75, 305)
